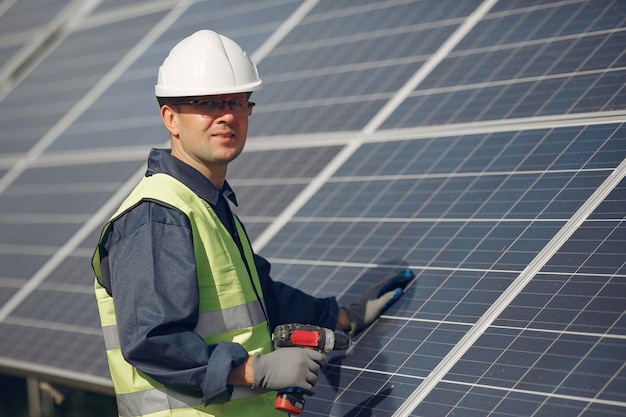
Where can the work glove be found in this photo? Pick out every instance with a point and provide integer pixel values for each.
(376, 299)
(287, 367)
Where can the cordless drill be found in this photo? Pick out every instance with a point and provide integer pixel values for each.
(291, 399)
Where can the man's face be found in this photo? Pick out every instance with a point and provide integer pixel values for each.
(205, 137)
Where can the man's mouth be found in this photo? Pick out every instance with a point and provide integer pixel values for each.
(224, 137)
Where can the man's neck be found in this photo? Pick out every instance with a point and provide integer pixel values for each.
(217, 175)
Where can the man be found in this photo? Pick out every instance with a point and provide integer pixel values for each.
(186, 306)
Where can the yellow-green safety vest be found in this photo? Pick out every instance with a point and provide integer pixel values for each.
(228, 306)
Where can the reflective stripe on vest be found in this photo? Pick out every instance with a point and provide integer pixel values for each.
(156, 400)
(213, 322)
(228, 306)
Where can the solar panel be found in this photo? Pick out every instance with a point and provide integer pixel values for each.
(479, 143)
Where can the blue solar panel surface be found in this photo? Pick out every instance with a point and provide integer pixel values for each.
(479, 143)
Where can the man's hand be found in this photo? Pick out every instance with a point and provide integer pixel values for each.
(375, 300)
(287, 367)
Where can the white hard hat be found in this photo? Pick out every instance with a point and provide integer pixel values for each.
(206, 63)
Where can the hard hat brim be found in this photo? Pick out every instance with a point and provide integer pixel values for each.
(248, 88)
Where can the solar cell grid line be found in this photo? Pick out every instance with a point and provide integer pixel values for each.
(541, 361)
(453, 397)
(530, 157)
(547, 362)
(49, 138)
(592, 18)
(549, 108)
(21, 165)
(373, 124)
(371, 152)
(505, 299)
(567, 94)
(41, 41)
(348, 23)
(285, 28)
(384, 69)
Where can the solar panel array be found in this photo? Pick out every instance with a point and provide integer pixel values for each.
(480, 143)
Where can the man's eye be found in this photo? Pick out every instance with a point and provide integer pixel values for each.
(210, 104)
(236, 104)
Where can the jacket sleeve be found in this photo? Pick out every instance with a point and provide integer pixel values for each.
(155, 292)
(286, 304)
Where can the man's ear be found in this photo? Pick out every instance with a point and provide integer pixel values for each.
(170, 119)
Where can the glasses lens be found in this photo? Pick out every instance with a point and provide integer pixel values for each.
(238, 106)
(211, 106)
(215, 107)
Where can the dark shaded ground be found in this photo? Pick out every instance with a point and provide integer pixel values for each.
(13, 402)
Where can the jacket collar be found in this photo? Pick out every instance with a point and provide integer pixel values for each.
(161, 161)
